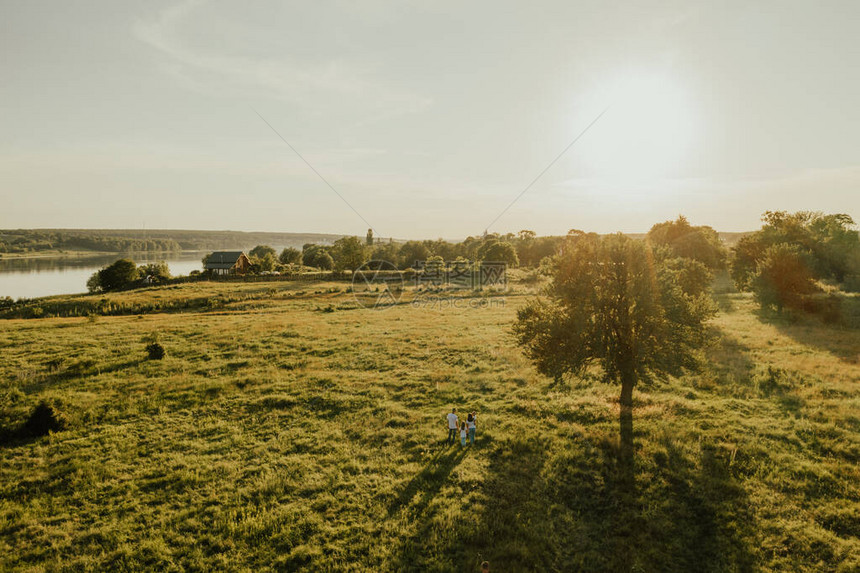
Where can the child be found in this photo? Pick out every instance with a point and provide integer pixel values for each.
(463, 434)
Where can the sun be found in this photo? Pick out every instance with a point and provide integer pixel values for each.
(646, 133)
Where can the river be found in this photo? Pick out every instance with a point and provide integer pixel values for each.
(46, 276)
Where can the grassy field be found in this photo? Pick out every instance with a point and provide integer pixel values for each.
(288, 428)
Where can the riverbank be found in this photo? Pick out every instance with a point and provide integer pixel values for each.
(39, 276)
(52, 254)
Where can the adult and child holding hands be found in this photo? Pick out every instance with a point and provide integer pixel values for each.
(466, 428)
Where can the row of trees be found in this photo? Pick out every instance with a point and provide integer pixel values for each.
(674, 238)
(349, 253)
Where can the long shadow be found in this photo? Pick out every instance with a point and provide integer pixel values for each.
(728, 358)
(428, 481)
(702, 520)
(577, 511)
(77, 369)
(506, 526)
(837, 334)
(414, 504)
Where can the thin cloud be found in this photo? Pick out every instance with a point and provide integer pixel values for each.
(284, 79)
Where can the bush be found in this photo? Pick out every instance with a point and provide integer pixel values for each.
(155, 351)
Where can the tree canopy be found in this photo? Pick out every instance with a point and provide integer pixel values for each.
(781, 261)
(783, 277)
(500, 252)
(700, 243)
(349, 253)
(121, 274)
(260, 251)
(412, 251)
(157, 272)
(317, 256)
(290, 256)
(829, 244)
(610, 303)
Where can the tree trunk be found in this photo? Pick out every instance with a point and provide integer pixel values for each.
(626, 417)
(627, 517)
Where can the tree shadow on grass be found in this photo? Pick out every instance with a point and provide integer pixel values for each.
(575, 510)
(838, 335)
(428, 482)
(695, 515)
(59, 371)
(515, 530)
(728, 358)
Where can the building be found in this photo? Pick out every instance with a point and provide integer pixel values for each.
(227, 263)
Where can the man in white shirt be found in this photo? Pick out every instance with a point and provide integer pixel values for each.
(452, 426)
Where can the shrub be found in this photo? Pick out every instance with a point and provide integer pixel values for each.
(155, 351)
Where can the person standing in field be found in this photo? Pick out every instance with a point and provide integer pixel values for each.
(463, 434)
(471, 425)
(452, 426)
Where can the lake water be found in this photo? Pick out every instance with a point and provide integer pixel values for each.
(30, 278)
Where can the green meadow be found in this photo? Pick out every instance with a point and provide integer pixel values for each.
(288, 428)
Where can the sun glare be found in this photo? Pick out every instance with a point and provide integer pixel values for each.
(646, 133)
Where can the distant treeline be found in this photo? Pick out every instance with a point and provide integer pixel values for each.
(22, 241)
(36, 241)
(121, 240)
(349, 253)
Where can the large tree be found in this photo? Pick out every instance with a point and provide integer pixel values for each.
(260, 251)
(613, 305)
(412, 252)
(499, 252)
(348, 253)
(700, 243)
(121, 274)
(290, 256)
(317, 256)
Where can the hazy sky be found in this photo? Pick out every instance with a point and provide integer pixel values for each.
(429, 118)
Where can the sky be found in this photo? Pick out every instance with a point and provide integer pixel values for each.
(426, 119)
